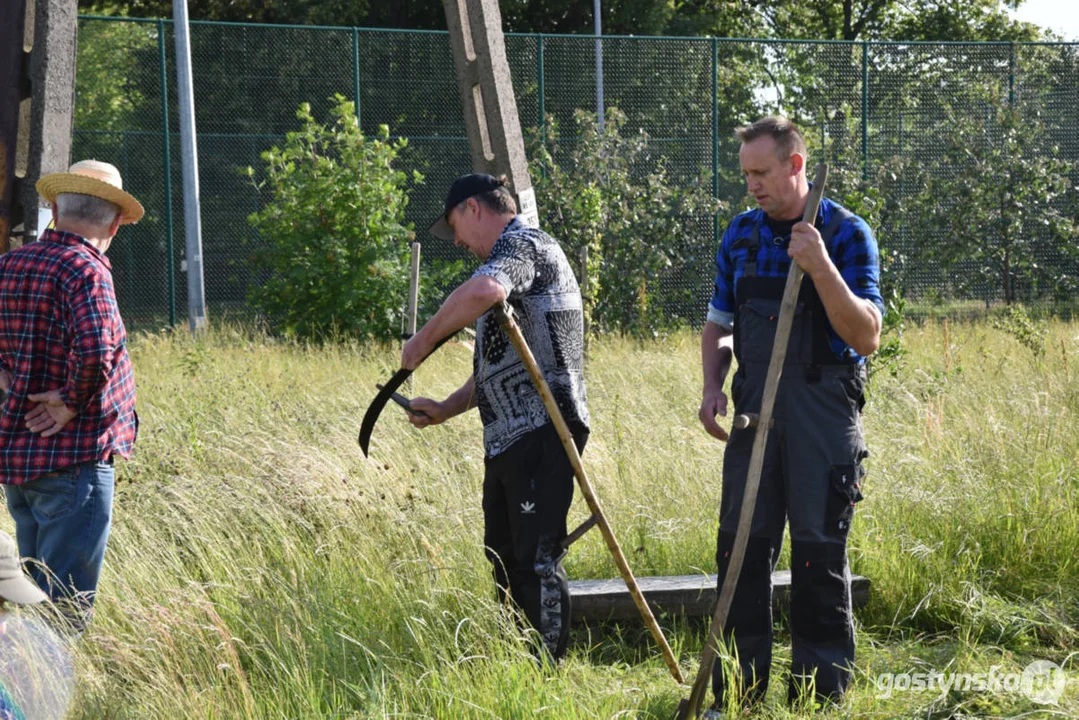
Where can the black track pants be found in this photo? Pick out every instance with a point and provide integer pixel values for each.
(527, 491)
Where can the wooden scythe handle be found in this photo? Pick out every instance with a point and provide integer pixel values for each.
(692, 708)
(503, 314)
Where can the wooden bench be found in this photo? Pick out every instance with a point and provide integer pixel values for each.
(689, 595)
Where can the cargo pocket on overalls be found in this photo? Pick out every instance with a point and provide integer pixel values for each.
(844, 491)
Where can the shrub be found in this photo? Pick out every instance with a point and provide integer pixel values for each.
(334, 246)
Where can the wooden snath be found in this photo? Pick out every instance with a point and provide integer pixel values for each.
(504, 315)
(691, 707)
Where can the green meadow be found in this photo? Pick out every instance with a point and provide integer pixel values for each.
(261, 567)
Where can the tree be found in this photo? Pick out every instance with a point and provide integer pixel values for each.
(954, 20)
(608, 192)
(816, 19)
(999, 207)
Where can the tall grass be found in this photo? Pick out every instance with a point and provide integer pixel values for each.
(261, 567)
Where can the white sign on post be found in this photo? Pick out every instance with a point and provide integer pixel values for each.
(528, 211)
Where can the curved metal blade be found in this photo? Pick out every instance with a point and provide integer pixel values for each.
(375, 409)
(385, 393)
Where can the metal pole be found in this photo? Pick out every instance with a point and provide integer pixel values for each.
(542, 92)
(1011, 77)
(170, 251)
(413, 301)
(413, 289)
(129, 253)
(599, 64)
(196, 299)
(586, 295)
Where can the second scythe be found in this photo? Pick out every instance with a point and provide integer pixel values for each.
(504, 314)
(690, 708)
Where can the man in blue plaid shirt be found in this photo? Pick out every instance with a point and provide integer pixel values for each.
(812, 470)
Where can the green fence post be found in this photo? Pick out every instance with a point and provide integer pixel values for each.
(1011, 77)
(356, 73)
(865, 111)
(715, 138)
(542, 91)
(129, 253)
(170, 261)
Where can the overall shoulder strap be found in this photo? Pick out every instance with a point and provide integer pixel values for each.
(753, 249)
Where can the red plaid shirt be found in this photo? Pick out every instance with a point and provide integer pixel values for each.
(60, 328)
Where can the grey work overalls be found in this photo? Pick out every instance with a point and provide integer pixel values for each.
(811, 476)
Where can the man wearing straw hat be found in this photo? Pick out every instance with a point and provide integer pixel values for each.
(70, 405)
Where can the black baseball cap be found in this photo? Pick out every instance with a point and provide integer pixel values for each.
(462, 189)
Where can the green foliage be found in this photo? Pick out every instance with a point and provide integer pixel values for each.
(818, 19)
(110, 54)
(891, 353)
(994, 202)
(1015, 321)
(888, 19)
(333, 242)
(606, 192)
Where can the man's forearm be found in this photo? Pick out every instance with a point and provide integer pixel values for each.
(855, 320)
(717, 349)
(463, 307)
(87, 375)
(462, 399)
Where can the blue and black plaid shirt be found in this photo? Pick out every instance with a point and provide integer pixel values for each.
(853, 249)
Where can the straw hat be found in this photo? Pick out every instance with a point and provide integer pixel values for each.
(15, 587)
(92, 177)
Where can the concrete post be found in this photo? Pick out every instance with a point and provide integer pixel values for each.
(490, 108)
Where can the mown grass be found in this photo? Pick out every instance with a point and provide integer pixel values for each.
(260, 566)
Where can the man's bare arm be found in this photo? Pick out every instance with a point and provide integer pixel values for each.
(717, 350)
(460, 401)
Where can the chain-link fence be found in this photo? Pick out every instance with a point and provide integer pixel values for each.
(890, 117)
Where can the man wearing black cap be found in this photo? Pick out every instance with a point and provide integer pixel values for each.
(528, 481)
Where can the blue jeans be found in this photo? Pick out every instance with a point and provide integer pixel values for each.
(62, 521)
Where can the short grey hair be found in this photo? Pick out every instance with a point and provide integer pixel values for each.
(86, 209)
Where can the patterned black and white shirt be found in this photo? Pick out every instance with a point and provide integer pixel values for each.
(546, 299)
